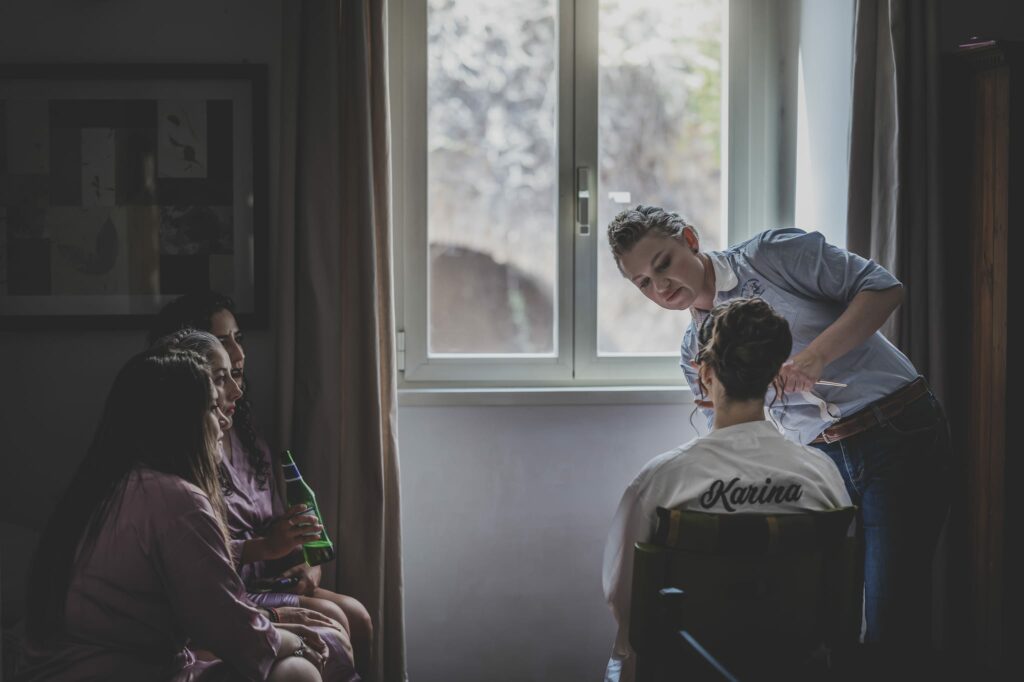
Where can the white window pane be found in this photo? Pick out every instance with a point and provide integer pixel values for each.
(491, 164)
(824, 91)
(659, 143)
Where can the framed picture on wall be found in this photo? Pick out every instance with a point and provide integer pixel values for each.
(125, 186)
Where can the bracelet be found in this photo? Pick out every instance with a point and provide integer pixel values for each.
(273, 616)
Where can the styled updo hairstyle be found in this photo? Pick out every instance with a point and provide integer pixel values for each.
(745, 342)
(203, 343)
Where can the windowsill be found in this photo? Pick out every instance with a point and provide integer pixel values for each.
(528, 397)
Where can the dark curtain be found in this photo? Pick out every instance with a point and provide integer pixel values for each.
(894, 216)
(333, 300)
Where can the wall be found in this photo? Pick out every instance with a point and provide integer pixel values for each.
(987, 19)
(52, 384)
(505, 514)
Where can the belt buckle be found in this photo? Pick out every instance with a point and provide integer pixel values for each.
(829, 439)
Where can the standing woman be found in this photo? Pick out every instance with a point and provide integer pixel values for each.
(885, 430)
(133, 563)
(260, 527)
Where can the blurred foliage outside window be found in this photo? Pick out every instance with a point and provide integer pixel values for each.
(492, 162)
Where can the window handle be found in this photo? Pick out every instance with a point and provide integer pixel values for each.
(583, 200)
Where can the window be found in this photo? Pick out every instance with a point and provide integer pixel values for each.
(824, 94)
(520, 130)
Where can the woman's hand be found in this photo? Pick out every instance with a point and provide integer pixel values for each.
(288, 533)
(299, 616)
(299, 640)
(801, 371)
(309, 579)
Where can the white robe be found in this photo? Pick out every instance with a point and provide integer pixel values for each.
(712, 474)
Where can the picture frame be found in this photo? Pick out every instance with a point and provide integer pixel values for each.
(123, 186)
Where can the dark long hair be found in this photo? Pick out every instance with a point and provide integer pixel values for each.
(155, 417)
(745, 342)
(205, 344)
(196, 311)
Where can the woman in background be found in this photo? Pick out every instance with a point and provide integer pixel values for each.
(253, 487)
(133, 563)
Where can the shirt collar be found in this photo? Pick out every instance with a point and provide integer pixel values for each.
(761, 428)
(725, 278)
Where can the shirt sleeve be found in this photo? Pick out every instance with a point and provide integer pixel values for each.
(633, 523)
(207, 594)
(280, 505)
(808, 265)
(235, 548)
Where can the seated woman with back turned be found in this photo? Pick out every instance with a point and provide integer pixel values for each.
(743, 466)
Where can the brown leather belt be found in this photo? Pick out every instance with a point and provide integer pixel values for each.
(874, 414)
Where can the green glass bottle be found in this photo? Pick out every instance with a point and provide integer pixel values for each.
(298, 491)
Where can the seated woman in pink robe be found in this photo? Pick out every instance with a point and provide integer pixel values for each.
(259, 524)
(340, 666)
(133, 564)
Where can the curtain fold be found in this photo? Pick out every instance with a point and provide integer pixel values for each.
(333, 300)
(894, 215)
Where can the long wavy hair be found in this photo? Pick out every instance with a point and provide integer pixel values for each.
(206, 345)
(155, 417)
(196, 311)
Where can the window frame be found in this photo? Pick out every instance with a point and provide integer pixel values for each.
(758, 169)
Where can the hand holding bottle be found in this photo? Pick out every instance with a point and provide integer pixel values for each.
(317, 550)
(290, 532)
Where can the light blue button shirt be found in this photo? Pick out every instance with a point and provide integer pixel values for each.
(809, 282)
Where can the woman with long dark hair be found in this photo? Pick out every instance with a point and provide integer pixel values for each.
(261, 528)
(133, 564)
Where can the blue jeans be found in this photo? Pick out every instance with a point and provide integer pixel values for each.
(897, 473)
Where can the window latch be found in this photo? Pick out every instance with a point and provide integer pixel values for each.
(583, 200)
